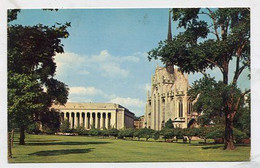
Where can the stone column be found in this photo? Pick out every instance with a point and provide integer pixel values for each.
(75, 120)
(86, 120)
(67, 118)
(91, 121)
(106, 121)
(101, 121)
(80, 119)
(96, 120)
(70, 119)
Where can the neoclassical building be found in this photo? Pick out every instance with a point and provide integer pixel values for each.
(96, 115)
(168, 99)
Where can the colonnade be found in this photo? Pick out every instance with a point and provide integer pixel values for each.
(87, 120)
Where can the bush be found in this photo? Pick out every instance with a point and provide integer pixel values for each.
(104, 132)
(65, 126)
(138, 133)
(80, 131)
(129, 132)
(113, 132)
(169, 124)
(33, 129)
(239, 135)
(167, 133)
(48, 130)
(178, 132)
(94, 132)
(156, 135)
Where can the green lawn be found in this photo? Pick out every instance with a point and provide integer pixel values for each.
(52, 148)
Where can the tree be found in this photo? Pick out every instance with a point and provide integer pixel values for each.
(169, 124)
(113, 132)
(190, 132)
(167, 133)
(32, 88)
(196, 50)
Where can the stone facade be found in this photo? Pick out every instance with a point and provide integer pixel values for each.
(168, 99)
(139, 123)
(96, 115)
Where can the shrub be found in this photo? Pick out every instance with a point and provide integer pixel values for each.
(156, 135)
(48, 130)
(94, 132)
(81, 131)
(129, 132)
(167, 133)
(169, 124)
(33, 129)
(113, 132)
(65, 126)
(239, 135)
(104, 132)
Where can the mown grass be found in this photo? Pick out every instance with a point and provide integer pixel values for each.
(52, 148)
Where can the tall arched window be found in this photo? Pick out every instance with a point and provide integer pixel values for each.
(180, 108)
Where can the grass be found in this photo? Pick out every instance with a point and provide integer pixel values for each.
(52, 148)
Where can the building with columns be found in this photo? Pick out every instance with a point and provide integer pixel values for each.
(95, 115)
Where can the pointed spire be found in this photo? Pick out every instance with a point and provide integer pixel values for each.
(169, 38)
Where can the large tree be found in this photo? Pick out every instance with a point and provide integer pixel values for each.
(211, 42)
(32, 88)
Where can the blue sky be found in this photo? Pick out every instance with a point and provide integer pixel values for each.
(105, 57)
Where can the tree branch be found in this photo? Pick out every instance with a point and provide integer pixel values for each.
(214, 22)
(238, 100)
(239, 70)
(215, 63)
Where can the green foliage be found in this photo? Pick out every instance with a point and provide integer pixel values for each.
(178, 132)
(239, 135)
(113, 132)
(104, 132)
(217, 132)
(94, 132)
(204, 131)
(169, 124)
(48, 130)
(32, 88)
(190, 132)
(81, 131)
(146, 133)
(167, 133)
(33, 128)
(65, 126)
(129, 132)
(156, 135)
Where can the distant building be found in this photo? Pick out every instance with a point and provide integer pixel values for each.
(96, 115)
(139, 122)
(168, 98)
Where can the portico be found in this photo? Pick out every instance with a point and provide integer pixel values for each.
(95, 115)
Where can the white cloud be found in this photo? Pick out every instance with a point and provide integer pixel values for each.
(128, 102)
(104, 63)
(80, 90)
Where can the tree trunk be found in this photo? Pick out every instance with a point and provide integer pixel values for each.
(229, 138)
(9, 145)
(22, 136)
(12, 139)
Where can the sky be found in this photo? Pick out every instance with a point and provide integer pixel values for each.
(105, 58)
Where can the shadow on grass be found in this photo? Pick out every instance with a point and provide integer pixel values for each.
(66, 143)
(61, 152)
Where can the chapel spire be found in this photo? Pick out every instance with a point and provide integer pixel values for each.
(169, 65)
(169, 38)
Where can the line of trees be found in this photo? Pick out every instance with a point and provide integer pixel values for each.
(168, 134)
